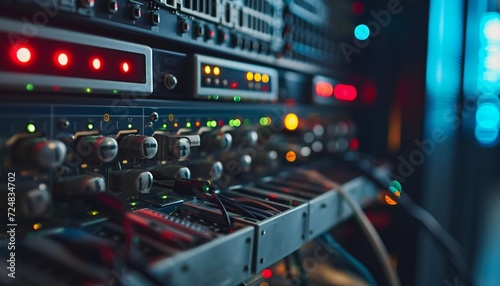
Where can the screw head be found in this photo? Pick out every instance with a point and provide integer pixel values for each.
(154, 116)
(170, 81)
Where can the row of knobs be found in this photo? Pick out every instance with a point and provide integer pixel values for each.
(45, 153)
(35, 199)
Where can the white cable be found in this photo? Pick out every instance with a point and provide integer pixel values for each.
(365, 224)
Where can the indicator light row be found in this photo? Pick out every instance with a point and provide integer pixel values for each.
(343, 92)
(25, 56)
(236, 122)
(257, 77)
(211, 70)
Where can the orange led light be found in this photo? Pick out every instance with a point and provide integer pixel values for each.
(265, 78)
(324, 89)
(291, 156)
(389, 201)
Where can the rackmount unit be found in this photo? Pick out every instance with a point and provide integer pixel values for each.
(165, 142)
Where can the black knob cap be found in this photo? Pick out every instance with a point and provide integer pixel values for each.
(138, 146)
(131, 181)
(97, 148)
(39, 152)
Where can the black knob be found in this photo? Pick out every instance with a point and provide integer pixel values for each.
(204, 169)
(80, 185)
(138, 146)
(97, 148)
(215, 141)
(39, 152)
(243, 137)
(169, 172)
(172, 146)
(131, 181)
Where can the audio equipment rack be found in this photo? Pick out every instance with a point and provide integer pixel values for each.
(124, 120)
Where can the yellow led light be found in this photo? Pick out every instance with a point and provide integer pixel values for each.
(291, 156)
(249, 76)
(265, 78)
(291, 121)
(216, 71)
(257, 77)
(207, 69)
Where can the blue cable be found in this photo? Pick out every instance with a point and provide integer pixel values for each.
(351, 260)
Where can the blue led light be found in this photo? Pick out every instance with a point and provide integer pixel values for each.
(486, 136)
(488, 82)
(362, 32)
(488, 116)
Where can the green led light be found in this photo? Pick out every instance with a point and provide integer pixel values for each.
(231, 122)
(237, 122)
(30, 87)
(88, 90)
(90, 126)
(263, 121)
(237, 99)
(213, 123)
(216, 97)
(133, 203)
(188, 124)
(115, 91)
(247, 121)
(164, 197)
(31, 128)
(129, 125)
(206, 187)
(208, 123)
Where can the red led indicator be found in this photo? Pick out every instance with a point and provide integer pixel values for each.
(354, 144)
(125, 67)
(233, 85)
(324, 89)
(357, 8)
(220, 123)
(265, 88)
(62, 59)
(345, 92)
(267, 273)
(23, 55)
(96, 63)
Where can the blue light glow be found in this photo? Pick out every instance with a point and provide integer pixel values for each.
(488, 116)
(362, 32)
(486, 136)
(488, 82)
